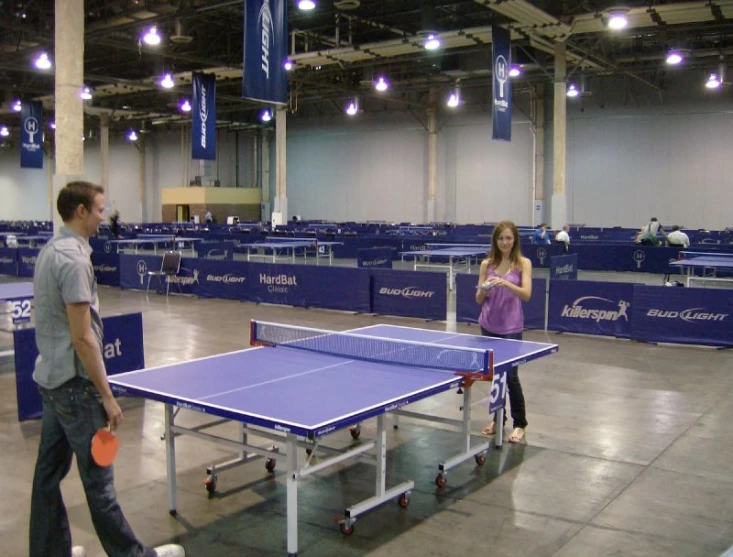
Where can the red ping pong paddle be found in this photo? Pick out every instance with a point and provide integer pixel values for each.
(104, 446)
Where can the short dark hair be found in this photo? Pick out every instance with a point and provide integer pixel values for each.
(654, 219)
(676, 227)
(74, 194)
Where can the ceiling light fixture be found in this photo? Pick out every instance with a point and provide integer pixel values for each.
(4, 132)
(515, 71)
(381, 85)
(454, 100)
(306, 5)
(432, 42)
(152, 37)
(266, 115)
(572, 91)
(352, 107)
(674, 57)
(713, 81)
(288, 65)
(17, 106)
(167, 81)
(185, 106)
(42, 62)
(86, 93)
(132, 136)
(52, 125)
(617, 19)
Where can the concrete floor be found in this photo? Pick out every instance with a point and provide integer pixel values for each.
(630, 452)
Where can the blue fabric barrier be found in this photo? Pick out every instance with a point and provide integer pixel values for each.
(27, 261)
(134, 270)
(216, 251)
(220, 279)
(339, 288)
(540, 255)
(375, 257)
(594, 308)
(467, 310)
(683, 315)
(564, 266)
(8, 261)
(409, 293)
(123, 351)
(106, 268)
(100, 245)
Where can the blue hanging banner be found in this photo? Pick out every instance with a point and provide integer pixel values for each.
(564, 266)
(203, 137)
(265, 51)
(501, 59)
(31, 147)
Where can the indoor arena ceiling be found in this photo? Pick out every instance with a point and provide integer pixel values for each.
(339, 47)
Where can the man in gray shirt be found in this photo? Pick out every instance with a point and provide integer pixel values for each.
(72, 379)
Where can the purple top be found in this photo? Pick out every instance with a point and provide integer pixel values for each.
(501, 312)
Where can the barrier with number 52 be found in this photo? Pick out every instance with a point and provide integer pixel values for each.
(20, 310)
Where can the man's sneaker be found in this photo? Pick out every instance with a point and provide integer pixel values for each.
(78, 551)
(170, 550)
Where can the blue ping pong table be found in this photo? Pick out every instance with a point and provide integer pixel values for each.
(709, 264)
(314, 383)
(275, 246)
(459, 258)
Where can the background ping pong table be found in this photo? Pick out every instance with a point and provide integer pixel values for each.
(459, 258)
(709, 265)
(274, 246)
(298, 397)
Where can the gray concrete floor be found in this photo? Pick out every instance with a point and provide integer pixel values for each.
(630, 452)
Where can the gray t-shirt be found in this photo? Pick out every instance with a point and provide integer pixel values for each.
(63, 275)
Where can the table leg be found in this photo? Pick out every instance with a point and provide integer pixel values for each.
(170, 456)
(292, 495)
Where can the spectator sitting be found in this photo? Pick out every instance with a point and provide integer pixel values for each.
(677, 238)
(563, 237)
(541, 236)
(648, 234)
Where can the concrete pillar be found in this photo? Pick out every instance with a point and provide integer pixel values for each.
(432, 159)
(558, 211)
(69, 72)
(281, 190)
(104, 159)
(264, 138)
(141, 178)
(538, 103)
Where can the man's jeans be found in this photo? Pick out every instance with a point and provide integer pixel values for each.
(72, 413)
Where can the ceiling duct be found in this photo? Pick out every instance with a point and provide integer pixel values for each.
(178, 37)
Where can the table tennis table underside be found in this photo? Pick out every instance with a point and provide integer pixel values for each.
(288, 437)
(270, 251)
(458, 260)
(705, 264)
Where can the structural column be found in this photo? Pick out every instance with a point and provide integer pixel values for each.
(264, 138)
(432, 156)
(69, 109)
(104, 158)
(281, 193)
(538, 189)
(141, 178)
(558, 212)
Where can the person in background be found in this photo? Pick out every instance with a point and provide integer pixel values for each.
(72, 380)
(505, 281)
(114, 223)
(677, 238)
(541, 236)
(648, 234)
(208, 218)
(563, 237)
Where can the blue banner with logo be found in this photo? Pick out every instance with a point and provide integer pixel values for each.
(27, 261)
(203, 134)
(216, 251)
(265, 51)
(123, 351)
(683, 315)
(564, 266)
(106, 268)
(590, 307)
(467, 310)
(31, 145)
(379, 258)
(219, 279)
(409, 293)
(501, 58)
(8, 261)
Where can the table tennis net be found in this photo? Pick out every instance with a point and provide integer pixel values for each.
(372, 348)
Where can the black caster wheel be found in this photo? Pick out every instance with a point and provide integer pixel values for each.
(440, 480)
(270, 464)
(346, 529)
(355, 431)
(480, 459)
(404, 501)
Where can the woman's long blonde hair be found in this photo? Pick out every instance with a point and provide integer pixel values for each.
(495, 256)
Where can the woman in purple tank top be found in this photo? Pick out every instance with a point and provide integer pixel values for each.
(505, 281)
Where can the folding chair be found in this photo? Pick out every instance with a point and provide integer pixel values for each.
(169, 267)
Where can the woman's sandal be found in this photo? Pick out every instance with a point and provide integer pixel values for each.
(489, 430)
(518, 436)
